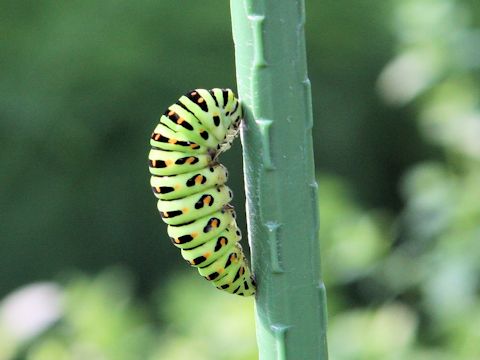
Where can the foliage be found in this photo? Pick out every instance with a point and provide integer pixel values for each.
(100, 319)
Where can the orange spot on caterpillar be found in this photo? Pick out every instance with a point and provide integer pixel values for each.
(220, 271)
(156, 137)
(214, 223)
(172, 141)
(198, 179)
(190, 160)
(206, 255)
(194, 93)
(177, 186)
(177, 241)
(165, 214)
(200, 100)
(207, 200)
(194, 234)
(180, 120)
(157, 188)
(184, 210)
(168, 162)
(154, 163)
(194, 146)
(171, 112)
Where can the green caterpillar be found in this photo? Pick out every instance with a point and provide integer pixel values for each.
(190, 185)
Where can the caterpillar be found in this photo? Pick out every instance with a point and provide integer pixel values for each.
(189, 183)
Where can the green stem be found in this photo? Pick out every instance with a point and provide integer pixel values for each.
(281, 192)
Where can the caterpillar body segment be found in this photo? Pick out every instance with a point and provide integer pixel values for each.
(179, 186)
(192, 207)
(163, 162)
(190, 187)
(201, 230)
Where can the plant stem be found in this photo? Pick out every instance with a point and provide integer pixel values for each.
(281, 192)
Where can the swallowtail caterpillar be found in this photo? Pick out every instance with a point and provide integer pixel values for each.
(190, 185)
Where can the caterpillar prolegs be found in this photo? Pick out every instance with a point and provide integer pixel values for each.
(190, 185)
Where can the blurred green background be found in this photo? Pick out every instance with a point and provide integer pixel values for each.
(86, 270)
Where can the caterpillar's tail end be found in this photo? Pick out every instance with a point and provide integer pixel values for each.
(247, 288)
(238, 279)
(252, 288)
